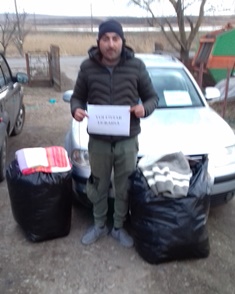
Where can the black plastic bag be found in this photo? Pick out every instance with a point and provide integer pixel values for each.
(167, 229)
(41, 203)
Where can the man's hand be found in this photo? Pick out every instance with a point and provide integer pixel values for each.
(79, 114)
(138, 110)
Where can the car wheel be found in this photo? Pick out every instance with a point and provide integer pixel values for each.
(3, 156)
(19, 122)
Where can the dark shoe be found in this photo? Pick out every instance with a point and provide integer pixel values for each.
(123, 237)
(93, 234)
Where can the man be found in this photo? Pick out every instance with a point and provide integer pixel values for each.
(112, 75)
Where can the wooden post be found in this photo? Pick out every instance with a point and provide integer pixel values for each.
(200, 76)
(226, 93)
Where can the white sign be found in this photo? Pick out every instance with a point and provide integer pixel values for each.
(111, 120)
(177, 98)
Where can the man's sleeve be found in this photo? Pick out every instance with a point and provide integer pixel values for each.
(79, 96)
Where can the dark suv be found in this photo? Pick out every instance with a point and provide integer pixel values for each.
(12, 110)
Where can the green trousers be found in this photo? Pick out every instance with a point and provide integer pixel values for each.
(105, 157)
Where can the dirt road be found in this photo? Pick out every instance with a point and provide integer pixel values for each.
(64, 265)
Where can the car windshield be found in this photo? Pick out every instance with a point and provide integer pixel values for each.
(174, 88)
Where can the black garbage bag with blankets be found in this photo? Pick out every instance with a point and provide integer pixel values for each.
(41, 202)
(168, 228)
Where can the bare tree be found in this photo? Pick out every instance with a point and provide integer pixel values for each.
(7, 31)
(179, 38)
(21, 31)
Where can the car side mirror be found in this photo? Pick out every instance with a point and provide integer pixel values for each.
(22, 78)
(67, 96)
(212, 93)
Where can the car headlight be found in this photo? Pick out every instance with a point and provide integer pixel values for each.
(80, 157)
(223, 156)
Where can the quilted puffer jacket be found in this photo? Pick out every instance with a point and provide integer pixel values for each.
(126, 84)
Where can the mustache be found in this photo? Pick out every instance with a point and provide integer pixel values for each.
(110, 50)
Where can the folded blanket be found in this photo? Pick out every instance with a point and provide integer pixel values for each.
(38, 159)
(168, 176)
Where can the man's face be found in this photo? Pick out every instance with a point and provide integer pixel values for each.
(110, 45)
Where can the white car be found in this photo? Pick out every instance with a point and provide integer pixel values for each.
(183, 122)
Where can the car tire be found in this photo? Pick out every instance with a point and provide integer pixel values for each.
(3, 156)
(19, 122)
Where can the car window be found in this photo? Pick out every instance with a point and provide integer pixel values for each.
(5, 75)
(174, 88)
(2, 80)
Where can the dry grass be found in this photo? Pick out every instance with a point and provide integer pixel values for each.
(78, 43)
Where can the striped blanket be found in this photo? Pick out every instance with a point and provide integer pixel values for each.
(38, 159)
(168, 175)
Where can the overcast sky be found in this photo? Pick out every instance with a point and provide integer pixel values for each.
(85, 7)
(72, 7)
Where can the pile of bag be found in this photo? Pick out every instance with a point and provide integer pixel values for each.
(40, 190)
(167, 226)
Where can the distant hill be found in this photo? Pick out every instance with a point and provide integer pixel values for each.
(128, 21)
